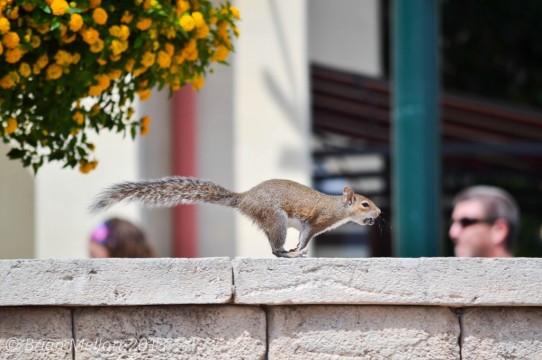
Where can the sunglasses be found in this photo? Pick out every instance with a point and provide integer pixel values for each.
(466, 221)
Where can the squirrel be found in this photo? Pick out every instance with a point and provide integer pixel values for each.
(274, 205)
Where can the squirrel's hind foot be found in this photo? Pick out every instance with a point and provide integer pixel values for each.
(291, 254)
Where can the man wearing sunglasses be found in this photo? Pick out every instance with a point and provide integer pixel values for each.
(484, 222)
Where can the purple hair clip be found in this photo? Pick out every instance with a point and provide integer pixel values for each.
(100, 234)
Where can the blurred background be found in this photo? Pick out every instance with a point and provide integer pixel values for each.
(308, 96)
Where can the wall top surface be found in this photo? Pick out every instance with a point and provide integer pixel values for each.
(387, 281)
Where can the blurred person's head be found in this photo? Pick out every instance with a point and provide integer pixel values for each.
(118, 238)
(484, 222)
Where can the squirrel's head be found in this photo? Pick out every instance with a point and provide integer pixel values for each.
(362, 210)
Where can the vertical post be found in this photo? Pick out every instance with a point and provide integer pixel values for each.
(416, 134)
(184, 129)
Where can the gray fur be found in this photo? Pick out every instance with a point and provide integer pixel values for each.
(165, 192)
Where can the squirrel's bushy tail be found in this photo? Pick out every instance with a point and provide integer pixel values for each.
(166, 192)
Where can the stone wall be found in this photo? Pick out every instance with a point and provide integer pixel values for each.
(217, 308)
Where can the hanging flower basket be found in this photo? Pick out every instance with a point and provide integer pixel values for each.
(68, 68)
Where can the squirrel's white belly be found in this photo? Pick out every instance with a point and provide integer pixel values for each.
(295, 223)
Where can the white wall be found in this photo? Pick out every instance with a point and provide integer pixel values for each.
(345, 34)
(16, 208)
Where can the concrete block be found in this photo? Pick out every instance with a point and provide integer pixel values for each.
(115, 281)
(389, 281)
(35, 333)
(170, 332)
(502, 333)
(362, 332)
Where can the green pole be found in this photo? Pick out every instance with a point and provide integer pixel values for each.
(416, 152)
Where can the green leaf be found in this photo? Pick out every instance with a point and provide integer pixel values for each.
(16, 153)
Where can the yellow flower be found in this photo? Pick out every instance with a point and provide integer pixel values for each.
(94, 90)
(67, 40)
(94, 3)
(145, 121)
(54, 71)
(87, 166)
(101, 61)
(90, 36)
(198, 82)
(97, 46)
(76, 22)
(179, 58)
(148, 59)
(11, 40)
(116, 47)
(144, 24)
(235, 12)
(11, 127)
(169, 49)
(202, 32)
(103, 81)
(4, 25)
(221, 53)
(127, 17)
(182, 6)
(7, 82)
(198, 19)
(25, 70)
(170, 32)
(129, 65)
(63, 58)
(140, 71)
(124, 32)
(35, 41)
(13, 55)
(149, 4)
(187, 22)
(1, 48)
(42, 62)
(190, 51)
(78, 117)
(14, 14)
(164, 60)
(59, 7)
(115, 74)
(100, 16)
(144, 94)
(29, 7)
(75, 58)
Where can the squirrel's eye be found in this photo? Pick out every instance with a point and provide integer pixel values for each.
(365, 204)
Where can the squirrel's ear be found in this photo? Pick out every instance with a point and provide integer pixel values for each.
(348, 195)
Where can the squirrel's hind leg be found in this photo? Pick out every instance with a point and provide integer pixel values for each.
(276, 227)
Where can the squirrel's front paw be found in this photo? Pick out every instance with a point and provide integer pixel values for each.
(302, 253)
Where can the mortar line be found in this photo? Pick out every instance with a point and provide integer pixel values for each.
(267, 332)
(459, 314)
(74, 341)
(233, 289)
